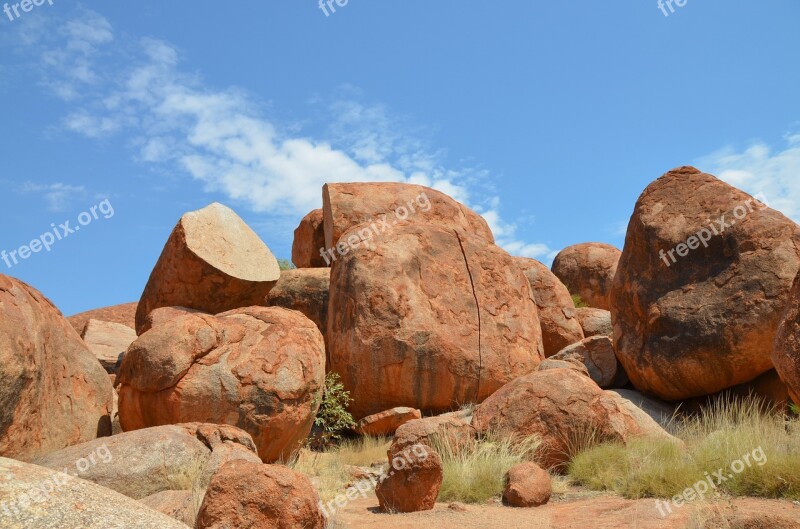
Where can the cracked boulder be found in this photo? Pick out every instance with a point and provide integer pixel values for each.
(588, 270)
(430, 319)
(309, 241)
(557, 314)
(349, 205)
(566, 410)
(212, 262)
(702, 285)
(53, 391)
(261, 369)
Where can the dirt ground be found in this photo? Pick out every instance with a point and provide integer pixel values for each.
(577, 510)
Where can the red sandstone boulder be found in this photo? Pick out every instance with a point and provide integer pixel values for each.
(429, 319)
(560, 328)
(348, 205)
(177, 504)
(595, 322)
(588, 270)
(212, 262)
(413, 483)
(565, 409)
(54, 392)
(454, 431)
(165, 314)
(259, 368)
(309, 242)
(245, 495)
(597, 354)
(124, 314)
(786, 353)
(387, 422)
(701, 287)
(108, 342)
(527, 485)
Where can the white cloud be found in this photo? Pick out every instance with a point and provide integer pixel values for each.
(220, 138)
(58, 196)
(760, 168)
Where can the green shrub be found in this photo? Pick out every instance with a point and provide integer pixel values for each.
(577, 300)
(333, 419)
(285, 264)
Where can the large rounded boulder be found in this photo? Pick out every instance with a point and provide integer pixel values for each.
(701, 287)
(261, 369)
(557, 313)
(588, 270)
(53, 391)
(430, 319)
(211, 262)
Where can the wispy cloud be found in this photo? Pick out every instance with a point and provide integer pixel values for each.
(761, 168)
(221, 138)
(58, 196)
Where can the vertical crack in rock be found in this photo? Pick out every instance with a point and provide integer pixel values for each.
(478, 307)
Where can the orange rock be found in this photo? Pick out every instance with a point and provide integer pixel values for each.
(165, 314)
(527, 485)
(108, 342)
(454, 431)
(309, 241)
(348, 205)
(786, 353)
(123, 314)
(429, 319)
(387, 422)
(54, 391)
(595, 322)
(261, 369)
(251, 496)
(413, 483)
(597, 354)
(707, 321)
(560, 328)
(565, 409)
(588, 270)
(212, 262)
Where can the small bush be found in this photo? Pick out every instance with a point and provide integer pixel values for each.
(285, 264)
(721, 435)
(333, 419)
(476, 473)
(577, 300)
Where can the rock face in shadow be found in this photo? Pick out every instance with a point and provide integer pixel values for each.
(588, 270)
(429, 319)
(53, 391)
(212, 262)
(701, 287)
(348, 205)
(786, 353)
(309, 240)
(560, 327)
(261, 369)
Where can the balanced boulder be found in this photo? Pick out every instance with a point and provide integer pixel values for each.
(557, 313)
(251, 496)
(588, 270)
(261, 369)
(430, 319)
(702, 286)
(309, 242)
(380, 206)
(212, 262)
(53, 391)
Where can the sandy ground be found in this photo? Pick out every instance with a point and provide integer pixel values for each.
(574, 510)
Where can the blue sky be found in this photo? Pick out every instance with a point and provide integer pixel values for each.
(549, 118)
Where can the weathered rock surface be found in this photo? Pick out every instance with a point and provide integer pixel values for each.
(708, 319)
(53, 391)
(124, 314)
(40, 498)
(431, 319)
(165, 314)
(597, 354)
(348, 205)
(245, 495)
(663, 413)
(527, 485)
(108, 341)
(305, 290)
(309, 241)
(145, 462)
(177, 504)
(786, 352)
(568, 363)
(595, 322)
(560, 327)
(564, 409)
(413, 484)
(211, 262)
(426, 431)
(387, 422)
(588, 270)
(261, 369)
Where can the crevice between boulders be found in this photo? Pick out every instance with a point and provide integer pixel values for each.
(478, 307)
